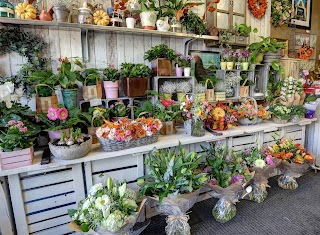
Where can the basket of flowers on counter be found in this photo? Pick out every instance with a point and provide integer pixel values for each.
(126, 133)
(222, 117)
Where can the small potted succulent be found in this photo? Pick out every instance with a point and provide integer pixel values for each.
(297, 112)
(167, 89)
(182, 89)
(161, 57)
(111, 78)
(135, 79)
(74, 146)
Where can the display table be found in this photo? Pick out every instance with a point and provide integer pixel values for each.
(40, 195)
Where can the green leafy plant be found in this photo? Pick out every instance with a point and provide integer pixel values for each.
(143, 108)
(280, 111)
(298, 110)
(42, 77)
(65, 76)
(167, 110)
(160, 51)
(147, 5)
(172, 172)
(119, 109)
(111, 74)
(244, 78)
(243, 29)
(90, 76)
(310, 98)
(194, 24)
(130, 70)
(214, 79)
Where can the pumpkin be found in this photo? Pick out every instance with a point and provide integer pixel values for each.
(100, 17)
(26, 11)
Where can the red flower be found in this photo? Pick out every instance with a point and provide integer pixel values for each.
(167, 103)
(60, 60)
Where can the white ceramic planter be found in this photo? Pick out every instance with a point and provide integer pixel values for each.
(148, 19)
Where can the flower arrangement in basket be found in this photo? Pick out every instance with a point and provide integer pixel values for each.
(280, 113)
(174, 184)
(228, 177)
(110, 209)
(263, 113)
(222, 117)
(248, 112)
(125, 133)
(263, 164)
(295, 161)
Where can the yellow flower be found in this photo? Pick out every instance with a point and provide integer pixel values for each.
(275, 147)
(229, 126)
(198, 113)
(219, 112)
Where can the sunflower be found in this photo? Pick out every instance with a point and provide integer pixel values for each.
(219, 112)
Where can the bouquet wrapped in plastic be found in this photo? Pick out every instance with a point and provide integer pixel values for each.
(174, 183)
(295, 161)
(229, 176)
(108, 210)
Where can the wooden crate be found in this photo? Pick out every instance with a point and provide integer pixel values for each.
(15, 159)
(40, 200)
(242, 142)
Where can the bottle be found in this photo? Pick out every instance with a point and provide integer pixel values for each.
(85, 16)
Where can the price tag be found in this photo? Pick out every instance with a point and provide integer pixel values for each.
(95, 102)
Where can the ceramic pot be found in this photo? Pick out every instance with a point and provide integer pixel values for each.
(181, 96)
(186, 71)
(167, 96)
(111, 89)
(223, 65)
(148, 19)
(70, 98)
(179, 71)
(230, 65)
(130, 22)
(245, 65)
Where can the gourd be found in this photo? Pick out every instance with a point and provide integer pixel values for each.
(26, 11)
(100, 17)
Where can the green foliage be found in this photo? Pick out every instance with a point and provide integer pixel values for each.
(119, 109)
(160, 51)
(248, 82)
(214, 79)
(194, 23)
(298, 110)
(42, 77)
(276, 66)
(66, 77)
(147, 5)
(130, 70)
(111, 74)
(90, 76)
(172, 173)
(143, 108)
(243, 29)
(166, 114)
(310, 98)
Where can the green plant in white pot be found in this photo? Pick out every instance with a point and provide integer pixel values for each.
(148, 14)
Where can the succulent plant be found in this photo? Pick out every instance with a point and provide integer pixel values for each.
(168, 88)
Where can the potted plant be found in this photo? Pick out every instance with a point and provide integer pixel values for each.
(245, 60)
(311, 105)
(242, 32)
(118, 110)
(91, 79)
(297, 112)
(161, 57)
(228, 176)
(182, 89)
(210, 82)
(16, 145)
(245, 83)
(136, 79)
(280, 113)
(237, 59)
(114, 209)
(111, 78)
(168, 88)
(179, 65)
(231, 81)
(194, 24)
(174, 192)
(73, 146)
(148, 14)
(187, 66)
(67, 80)
(223, 59)
(167, 111)
(247, 112)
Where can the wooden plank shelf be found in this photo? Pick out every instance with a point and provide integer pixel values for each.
(120, 30)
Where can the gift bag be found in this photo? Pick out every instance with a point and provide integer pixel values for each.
(291, 171)
(92, 92)
(44, 103)
(209, 92)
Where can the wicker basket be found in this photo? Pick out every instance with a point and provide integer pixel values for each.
(114, 145)
(279, 120)
(247, 121)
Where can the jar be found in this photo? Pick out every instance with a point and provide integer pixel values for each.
(6, 9)
(175, 25)
(85, 16)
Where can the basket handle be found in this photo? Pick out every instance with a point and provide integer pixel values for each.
(44, 85)
(255, 106)
(143, 113)
(85, 81)
(206, 84)
(245, 81)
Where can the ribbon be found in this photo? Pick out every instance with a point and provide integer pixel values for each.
(177, 224)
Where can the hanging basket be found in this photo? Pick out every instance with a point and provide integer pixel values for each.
(91, 92)
(44, 103)
(210, 97)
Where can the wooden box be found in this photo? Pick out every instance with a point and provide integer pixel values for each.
(242, 39)
(161, 67)
(135, 87)
(14, 159)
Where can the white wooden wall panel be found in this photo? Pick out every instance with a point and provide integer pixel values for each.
(5, 218)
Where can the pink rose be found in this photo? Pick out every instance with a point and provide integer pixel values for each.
(254, 112)
(249, 106)
(23, 129)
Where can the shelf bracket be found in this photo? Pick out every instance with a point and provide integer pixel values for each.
(85, 45)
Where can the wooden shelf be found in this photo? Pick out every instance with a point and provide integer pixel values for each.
(121, 30)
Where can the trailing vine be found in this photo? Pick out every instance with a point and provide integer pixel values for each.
(25, 44)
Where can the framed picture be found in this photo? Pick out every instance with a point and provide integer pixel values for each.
(301, 13)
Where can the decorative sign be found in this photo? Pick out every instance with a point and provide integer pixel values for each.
(301, 13)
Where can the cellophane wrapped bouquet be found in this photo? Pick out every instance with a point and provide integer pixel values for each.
(263, 165)
(228, 177)
(107, 210)
(173, 183)
(295, 161)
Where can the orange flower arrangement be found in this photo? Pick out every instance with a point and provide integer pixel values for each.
(258, 7)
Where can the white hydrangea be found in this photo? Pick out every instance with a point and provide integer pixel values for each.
(114, 222)
(259, 163)
(95, 188)
(102, 201)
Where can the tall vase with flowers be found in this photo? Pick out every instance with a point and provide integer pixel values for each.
(200, 111)
(295, 160)
(228, 176)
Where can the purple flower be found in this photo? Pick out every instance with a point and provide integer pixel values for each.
(213, 181)
(237, 178)
(245, 54)
(247, 151)
(207, 169)
(305, 72)
(228, 158)
(269, 160)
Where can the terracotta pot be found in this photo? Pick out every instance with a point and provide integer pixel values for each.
(14, 159)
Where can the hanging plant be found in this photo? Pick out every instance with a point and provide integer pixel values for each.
(258, 7)
(281, 12)
(25, 44)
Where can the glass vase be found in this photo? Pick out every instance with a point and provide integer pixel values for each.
(197, 128)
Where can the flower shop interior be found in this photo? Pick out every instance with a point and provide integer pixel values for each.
(159, 117)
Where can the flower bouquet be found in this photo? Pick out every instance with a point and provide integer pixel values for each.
(263, 114)
(111, 209)
(281, 113)
(174, 184)
(221, 117)
(228, 177)
(263, 165)
(125, 133)
(295, 161)
(247, 112)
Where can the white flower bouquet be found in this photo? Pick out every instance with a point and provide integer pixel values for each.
(107, 210)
